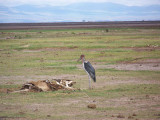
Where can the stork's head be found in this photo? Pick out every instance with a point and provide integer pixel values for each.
(82, 57)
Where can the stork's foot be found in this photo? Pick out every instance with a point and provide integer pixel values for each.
(91, 88)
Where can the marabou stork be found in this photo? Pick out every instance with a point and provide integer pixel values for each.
(89, 69)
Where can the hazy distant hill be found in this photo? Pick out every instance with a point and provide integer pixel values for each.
(78, 12)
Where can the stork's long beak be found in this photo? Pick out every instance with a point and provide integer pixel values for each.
(79, 59)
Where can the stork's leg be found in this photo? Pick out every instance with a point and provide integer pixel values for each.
(89, 82)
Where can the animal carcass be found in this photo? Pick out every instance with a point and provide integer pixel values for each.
(46, 85)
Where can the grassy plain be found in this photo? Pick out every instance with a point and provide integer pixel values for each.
(27, 55)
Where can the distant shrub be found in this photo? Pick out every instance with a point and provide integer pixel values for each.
(17, 37)
(107, 30)
(73, 33)
(28, 36)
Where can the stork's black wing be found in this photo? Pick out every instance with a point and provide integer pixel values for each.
(90, 70)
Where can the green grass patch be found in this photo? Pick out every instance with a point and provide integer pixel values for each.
(41, 53)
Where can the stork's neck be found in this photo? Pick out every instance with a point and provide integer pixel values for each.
(83, 60)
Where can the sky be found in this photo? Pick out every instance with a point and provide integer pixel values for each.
(78, 10)
(67, 2)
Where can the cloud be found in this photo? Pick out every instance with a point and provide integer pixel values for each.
(47, 10)
(67, 2)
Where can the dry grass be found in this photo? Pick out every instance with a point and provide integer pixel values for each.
(118, 93)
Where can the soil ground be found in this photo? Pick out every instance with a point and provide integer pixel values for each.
(82, 25)
(126, 60)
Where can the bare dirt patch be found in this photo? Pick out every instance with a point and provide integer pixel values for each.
(78, 25)
(146, 61)
(148, 48)
(135, 65)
